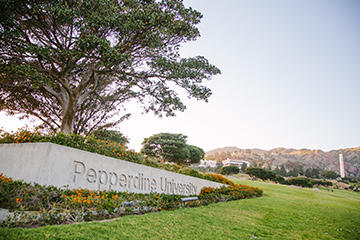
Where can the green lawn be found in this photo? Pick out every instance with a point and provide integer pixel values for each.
(283, 213)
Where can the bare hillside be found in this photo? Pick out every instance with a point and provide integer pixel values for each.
(293, 157)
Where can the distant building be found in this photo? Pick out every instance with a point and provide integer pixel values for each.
(236, 162)
(208, 163)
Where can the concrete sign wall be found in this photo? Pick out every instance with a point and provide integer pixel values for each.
(52, 164)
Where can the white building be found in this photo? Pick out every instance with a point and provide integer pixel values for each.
(236, 162)
(208, 163)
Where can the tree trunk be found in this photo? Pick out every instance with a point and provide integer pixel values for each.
(67, 122)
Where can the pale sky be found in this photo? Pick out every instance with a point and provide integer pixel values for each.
(290, 78)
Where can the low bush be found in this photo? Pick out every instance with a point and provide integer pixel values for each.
(261, 173)
(218, 178)
(281, 180)
(314, 182)
(90, 144)
(307, 182)
(228, 193)
(300, 181)
(227, 170)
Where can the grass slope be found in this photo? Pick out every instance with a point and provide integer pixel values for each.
(283, 213)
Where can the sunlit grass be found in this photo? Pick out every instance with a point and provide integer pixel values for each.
(283, 213)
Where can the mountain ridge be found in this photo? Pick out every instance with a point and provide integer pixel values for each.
(291, 157)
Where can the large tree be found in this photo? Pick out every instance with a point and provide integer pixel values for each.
(195, 154)
(72, 64)
(173, 148)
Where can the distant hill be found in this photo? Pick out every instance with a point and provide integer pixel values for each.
(291, 158)
(224, 149)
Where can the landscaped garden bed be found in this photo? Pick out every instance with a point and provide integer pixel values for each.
(36, 205)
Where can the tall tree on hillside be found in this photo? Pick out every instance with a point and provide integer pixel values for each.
(73, 63)
(308, 173)
(282, 171)
(243, 167)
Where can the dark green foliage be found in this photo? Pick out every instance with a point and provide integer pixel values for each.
(293, 173)
(301, 170)
(261, 173)
(280, 179)
(167, 146)
(312, 173)
(306, 182)
(320, 183)
(308, 173)
(315, 173)
(300, 181)
(330, 175)
(73, 63)
(282, 171)
(227, 170)
(243, 167)
(171, 147)
(196, 154)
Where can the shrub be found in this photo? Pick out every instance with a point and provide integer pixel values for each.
(89, 143)
(218, 178)
(261, 173)
(330, 175)
(227, 170)
(191, 172)
(320, 183)
(300, 181)
(232, 192)
(280, 179)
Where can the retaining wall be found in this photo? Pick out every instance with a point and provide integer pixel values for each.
(52, 164)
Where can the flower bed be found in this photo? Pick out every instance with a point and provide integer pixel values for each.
(33, 204)
(36, 205)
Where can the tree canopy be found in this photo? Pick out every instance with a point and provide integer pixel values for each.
(331, 175)
(73, 64)
(172, 147)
